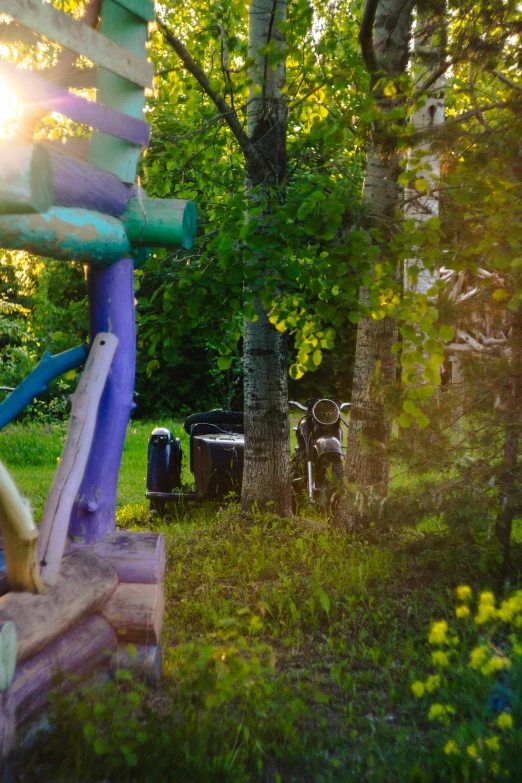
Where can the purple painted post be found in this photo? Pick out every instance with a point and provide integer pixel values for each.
(111, 309)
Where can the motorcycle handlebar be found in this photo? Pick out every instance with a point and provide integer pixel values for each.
(297, 405)
(291, 403)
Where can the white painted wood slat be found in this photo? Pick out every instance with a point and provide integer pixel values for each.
(44, 19)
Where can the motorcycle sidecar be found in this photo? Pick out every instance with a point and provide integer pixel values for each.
(216, 453)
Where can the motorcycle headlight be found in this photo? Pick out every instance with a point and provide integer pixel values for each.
(326, 412)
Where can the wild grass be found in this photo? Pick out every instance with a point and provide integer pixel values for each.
(289, 646)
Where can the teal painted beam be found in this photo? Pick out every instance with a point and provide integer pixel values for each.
(142, 8)
(156, 222)
(115, 155)
(26, 181)
(70, 234)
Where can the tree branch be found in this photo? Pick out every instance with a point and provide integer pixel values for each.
(477, 111)
(508, 81)
(366, 36)
(432, 78)
(203, 128)
(224, 50)
(229, 115)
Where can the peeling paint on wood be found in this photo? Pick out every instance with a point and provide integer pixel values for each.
(107, 152)
(67, 234)
(26, 183)
(160, 222)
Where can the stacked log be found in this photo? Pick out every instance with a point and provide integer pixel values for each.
(105, 610)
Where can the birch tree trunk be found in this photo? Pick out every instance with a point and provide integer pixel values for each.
(429, 54)
(384, 38)
(266, 476)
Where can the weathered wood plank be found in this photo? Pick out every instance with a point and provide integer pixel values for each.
(69, 474)
(78, 149)
(143, 661)
(136, 557)
(26, 183)
(78, 652)
(85, 583)
(157, 222)
(8, 654)
(136, 611)
(144, 9)
(57, 26)
(114, 155)
(67, 234)
(39, 92)
(7, 724)
(20, 537)
(78, 184)
(11, 33)
(79, 78)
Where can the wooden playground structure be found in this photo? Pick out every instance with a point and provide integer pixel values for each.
(77, 591)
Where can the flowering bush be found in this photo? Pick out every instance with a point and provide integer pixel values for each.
(475, 691)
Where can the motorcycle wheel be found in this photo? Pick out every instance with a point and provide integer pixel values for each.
(298, 481)
(213, 417)
(330, 475)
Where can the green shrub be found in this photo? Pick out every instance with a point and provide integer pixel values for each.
(474, 690)
(228, 713)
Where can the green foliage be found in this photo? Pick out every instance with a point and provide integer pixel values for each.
(474, 690)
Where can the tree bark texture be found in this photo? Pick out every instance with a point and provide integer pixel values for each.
(266, 476)
(384, 39)
(429, 55)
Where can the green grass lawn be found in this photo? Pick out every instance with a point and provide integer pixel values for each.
(289, 646)
(32, 452)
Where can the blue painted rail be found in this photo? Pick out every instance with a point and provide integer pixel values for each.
(48, 368)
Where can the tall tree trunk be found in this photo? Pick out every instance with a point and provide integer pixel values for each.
(429, 54)
(384, 37)
(266, 476)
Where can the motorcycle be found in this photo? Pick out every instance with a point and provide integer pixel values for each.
(317, 462)
(216, 453)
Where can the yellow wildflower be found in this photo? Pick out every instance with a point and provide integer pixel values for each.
(440, 658)
(440, 712)
(496, 664)
(493, 743)
(511, 607)
(451, 748)
(517, 647)
(464, 593)
(472, 751)
(478, 656)
(486, 608)
(418, 689)
(462, 611)
(437, 711)
(438, 633)
(505, 721)
(432, 683)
